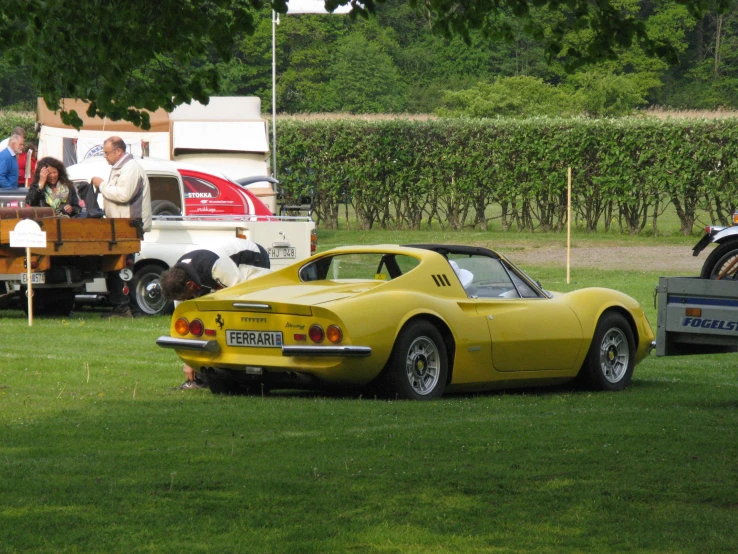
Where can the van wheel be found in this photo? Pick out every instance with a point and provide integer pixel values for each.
(146, 296)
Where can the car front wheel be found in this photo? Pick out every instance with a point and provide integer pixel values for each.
(418, 366)
(611, 357)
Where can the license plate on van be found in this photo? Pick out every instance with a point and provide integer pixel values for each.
(36, 278)
(282, 252)
(254, 339)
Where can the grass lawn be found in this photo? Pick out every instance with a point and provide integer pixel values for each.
(99, 454)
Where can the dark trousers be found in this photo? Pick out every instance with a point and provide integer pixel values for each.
(115, 286)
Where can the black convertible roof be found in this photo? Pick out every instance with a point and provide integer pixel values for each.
(446, 249)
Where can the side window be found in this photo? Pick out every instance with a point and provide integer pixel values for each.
(199, 188)
(525, 290)
(361, 266)
(165, 188)
(488, 279)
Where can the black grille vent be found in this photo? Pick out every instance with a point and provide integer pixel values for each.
(441, 280)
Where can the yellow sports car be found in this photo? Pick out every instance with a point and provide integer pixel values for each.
(412, 321)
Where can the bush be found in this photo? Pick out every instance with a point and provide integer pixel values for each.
(399, 173)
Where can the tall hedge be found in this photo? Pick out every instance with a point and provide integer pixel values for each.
(463, 172)
(404, 174)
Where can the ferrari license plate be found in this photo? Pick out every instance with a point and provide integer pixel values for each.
(254, 339)
(36, 278)
(282, 252)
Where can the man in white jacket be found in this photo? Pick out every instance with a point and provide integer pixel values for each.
(203, 271)
(126, 193)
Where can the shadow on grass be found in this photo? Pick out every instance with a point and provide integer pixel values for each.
(358, 394)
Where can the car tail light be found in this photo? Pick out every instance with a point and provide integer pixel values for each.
(334, 334)
(182, 326)
(313, 241)
(735, 218)
(197, 328)
(316, 333)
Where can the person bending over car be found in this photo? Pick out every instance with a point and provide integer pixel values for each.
(200, 272)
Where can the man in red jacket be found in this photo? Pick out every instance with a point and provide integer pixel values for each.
(29, 153)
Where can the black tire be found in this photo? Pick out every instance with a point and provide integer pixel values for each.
(145, 291)
(418, 366)
(50, 302)
(719, 259)
(164, 207)
(611, 358)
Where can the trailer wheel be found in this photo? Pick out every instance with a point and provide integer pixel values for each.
(146, 296)
(720, 260)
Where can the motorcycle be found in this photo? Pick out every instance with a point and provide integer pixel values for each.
(722, 263)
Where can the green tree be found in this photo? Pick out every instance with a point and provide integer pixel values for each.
(510, 96)
(304, 54)
(364, 78)
(707, 76)
(15, 86)
(123, 54)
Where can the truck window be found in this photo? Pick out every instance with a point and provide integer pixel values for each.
(165, 188)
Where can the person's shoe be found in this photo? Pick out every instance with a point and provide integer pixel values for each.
(187, 385)
(118, 313)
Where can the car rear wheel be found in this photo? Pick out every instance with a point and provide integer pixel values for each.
(611, 357)
(418, 366)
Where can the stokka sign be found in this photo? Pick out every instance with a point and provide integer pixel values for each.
(27, 234)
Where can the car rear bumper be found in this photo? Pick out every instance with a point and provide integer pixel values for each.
(340, 351)
(212, 347)
(189, 344)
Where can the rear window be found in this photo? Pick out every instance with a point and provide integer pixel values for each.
(364, 266)
(166, 189)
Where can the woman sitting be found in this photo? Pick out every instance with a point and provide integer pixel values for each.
(52, 188)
